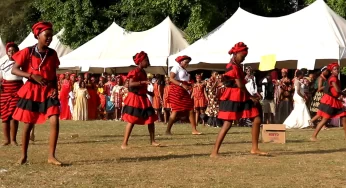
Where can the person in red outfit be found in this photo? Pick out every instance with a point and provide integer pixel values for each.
(137, 107)
(236, 102)
(94, 101)
(330, 104)
(199, 95)
(9, 86)
(179, 96)
(39, 95)
(66, 88)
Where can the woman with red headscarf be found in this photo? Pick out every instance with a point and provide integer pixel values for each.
(66, 88)
(236, 102)
(38, 97)
(179, 96)
(330, 105)
(93, 101)
(137, 107)
(9, 86)
(199, 96)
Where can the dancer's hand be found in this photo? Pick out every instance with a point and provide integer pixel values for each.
(54, 93)
(38, 79)
(254, 99)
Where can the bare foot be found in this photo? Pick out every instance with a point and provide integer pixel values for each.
(168, 133)
(54, 161)
(14, 143)
(313, 139)
(21, 161)
(123, 146)
(214, 155)
(5, 144)
(196, 133)
(155, 144)
(259, 152)
(32, 138)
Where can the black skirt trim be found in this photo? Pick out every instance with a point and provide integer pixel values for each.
(138, 112)
(34, 106)
(330, 110)
(232, 106)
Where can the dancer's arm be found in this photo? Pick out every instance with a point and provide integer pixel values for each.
(320, 85)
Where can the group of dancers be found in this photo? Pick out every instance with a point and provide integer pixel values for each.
(38, 99)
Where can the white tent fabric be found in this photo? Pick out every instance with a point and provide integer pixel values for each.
(115, 48)
(2, 49)
(314, 33)
(55, 44)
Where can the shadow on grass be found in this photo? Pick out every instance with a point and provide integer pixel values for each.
(313, 152)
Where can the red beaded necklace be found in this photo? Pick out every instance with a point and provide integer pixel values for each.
(42, 59)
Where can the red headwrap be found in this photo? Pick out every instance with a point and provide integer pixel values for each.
(40, 27)
(102, 78)
(239, 47)
(284, 70)
(139, 57)
(86, 75)
(332, 65)
(61, 76)
(182, 58)
(11, 44)
(67, 73)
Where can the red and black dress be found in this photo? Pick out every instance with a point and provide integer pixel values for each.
(137, 107)
(9, 89)
(200, 102)
(330, 105)
(234, 103)
(35, 104)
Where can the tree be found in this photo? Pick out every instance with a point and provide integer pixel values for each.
(16, 19)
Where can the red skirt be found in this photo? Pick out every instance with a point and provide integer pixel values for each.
(156, 102)
(9, 98)
(179, 99)
(200, 103)
(234, 105)
(35, 104)
(331, 107)
(93, 103)
(138, 110)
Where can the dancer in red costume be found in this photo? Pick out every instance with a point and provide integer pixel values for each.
(137, 107)
(9, 86)
(199, 95)
(66, 88)
(38, 97)
(236, 102)
(330, 105)
(179, 96)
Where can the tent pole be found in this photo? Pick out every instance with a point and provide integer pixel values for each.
(339, 63)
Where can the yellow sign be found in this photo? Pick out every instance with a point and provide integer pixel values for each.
(267, 63)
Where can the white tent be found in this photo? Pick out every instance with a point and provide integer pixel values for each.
(314, 34)
(55, 44)
(2, 49)
(115, 48)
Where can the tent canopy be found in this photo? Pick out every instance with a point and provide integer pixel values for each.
(313, 33)
(55, 44)
(116, 47)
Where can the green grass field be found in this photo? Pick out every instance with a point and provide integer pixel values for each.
(95, 159)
